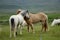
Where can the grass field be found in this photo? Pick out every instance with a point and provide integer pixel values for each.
(52, 34)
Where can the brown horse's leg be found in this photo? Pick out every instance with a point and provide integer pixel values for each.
(31, 25)
(45, 25)
(28, 27)
(45, 28)
(42, 27)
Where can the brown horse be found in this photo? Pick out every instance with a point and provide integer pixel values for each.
(38, 17)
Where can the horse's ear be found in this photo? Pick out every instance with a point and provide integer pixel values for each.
(26, 10)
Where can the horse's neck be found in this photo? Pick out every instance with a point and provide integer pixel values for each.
(20, 17)
(19, 14)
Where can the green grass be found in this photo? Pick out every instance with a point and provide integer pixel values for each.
(52, 34)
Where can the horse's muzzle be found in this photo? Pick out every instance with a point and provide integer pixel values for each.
(26, 18)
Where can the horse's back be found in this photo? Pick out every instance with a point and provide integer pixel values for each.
(57, 20)
(40, 15)
(15, 18)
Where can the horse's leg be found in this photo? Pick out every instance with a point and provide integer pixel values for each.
(46, 28)
(21, 29)
(15, 30)
(28, 27)
(31, 25)
(42, 27)
(45, 25)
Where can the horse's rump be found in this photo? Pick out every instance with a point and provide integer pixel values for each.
(12, 24)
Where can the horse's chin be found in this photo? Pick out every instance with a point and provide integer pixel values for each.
(26, 18)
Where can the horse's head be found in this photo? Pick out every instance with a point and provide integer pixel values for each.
(25, 14)
(54, 22)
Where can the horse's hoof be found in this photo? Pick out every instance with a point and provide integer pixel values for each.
(16, 33)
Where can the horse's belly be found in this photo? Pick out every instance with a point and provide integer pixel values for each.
(35, 20)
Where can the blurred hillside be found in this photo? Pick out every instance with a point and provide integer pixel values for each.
(31, 5)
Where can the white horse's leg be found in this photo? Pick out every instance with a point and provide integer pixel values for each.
(20, 30)
(15, 30)
(10, 29)
(18, 26)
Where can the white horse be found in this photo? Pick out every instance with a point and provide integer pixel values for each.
(55, 21)
(16, 20)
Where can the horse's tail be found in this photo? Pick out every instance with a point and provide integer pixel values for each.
(12, 24)
(46, 24)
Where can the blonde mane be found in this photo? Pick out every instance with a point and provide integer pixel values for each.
(19, 10)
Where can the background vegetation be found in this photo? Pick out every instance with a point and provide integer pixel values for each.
(52, 34)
